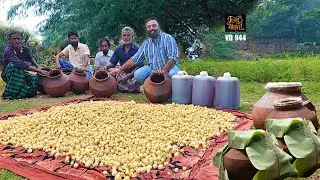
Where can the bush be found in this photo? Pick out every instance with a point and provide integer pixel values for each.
(264, 70)
(219, 48)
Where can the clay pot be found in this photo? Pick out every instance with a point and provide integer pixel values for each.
(41, 79)
(56, 84)
(79, 81)
(67, 71)
(276, 91)
(102, 84)
(157, 88)
(238, 165)
(293, 108)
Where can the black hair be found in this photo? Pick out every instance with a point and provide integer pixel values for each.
(14, 32)
(105, 40)
(152, 18)
(73, 33)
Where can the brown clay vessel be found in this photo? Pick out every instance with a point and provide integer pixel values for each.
(158, 88)
(238, 165)
(293, 108)
(41, 79)
(102, 84)
(79, 81)
(276, 91)
(57, 84)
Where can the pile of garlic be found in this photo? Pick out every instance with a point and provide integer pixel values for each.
(129, 137)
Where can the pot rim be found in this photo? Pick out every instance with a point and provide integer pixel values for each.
(101, 71)
(54, 70)
(45, 69)
(79, 72)
(153, 74)
(283, 86)
(288, 103)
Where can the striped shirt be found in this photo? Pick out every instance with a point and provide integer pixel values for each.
(157, 53)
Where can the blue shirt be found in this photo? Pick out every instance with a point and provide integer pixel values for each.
(157, 53)
(121, 56)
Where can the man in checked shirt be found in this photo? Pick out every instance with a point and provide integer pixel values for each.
(160, 51)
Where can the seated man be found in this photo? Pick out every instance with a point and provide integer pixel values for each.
(103, 57)
(78, 55)
(160, 50)
(126, 82)
(17, 60)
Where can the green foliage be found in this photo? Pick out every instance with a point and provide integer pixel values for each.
(8, 175)
(269, 159)
(309, 23)
(297, 18)
(301, 139)
(219, 48)
(95, 19)
(263, 152)
(264, 70)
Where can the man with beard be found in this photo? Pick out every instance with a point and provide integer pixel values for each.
(160, 51)
(78, 54)
(17, 60)
(126, 82)
(103, 57)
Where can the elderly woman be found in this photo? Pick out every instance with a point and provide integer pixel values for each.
(126, 82)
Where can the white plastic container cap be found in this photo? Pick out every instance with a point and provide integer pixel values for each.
(203, 73)
(227, 75)
(181, 73)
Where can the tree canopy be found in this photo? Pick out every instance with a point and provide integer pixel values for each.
(94, 19)
(299, 19)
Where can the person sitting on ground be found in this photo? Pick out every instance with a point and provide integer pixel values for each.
(159, 49)
(103, 57)
(78, 54)
(126, 82)
(17, 60)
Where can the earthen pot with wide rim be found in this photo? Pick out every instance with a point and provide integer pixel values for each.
(57, 84)
(276, 91)
(102, 84)
(157, 88)
(238, 165)
(293, 108)
(79, 81)
(41, 79)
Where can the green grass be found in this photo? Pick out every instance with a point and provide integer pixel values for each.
(7, 175)
(263, 70)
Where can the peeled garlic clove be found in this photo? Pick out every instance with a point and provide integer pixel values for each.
(76, 165)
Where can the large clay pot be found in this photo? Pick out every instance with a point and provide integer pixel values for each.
(79, 81)
(157, 88)
(238, 165)
(57, 84)
(293, 108)
(41, 79)
(102, 84)
(276, 91)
